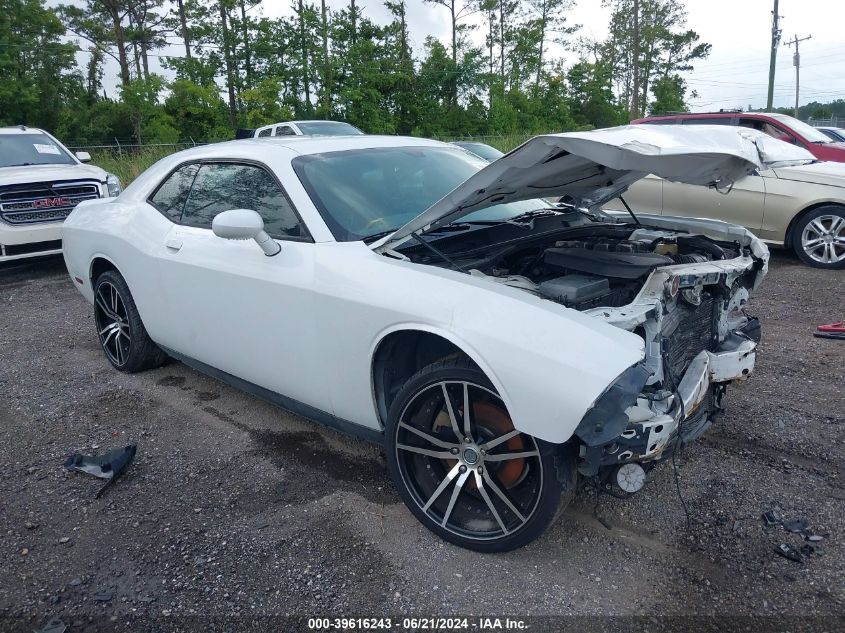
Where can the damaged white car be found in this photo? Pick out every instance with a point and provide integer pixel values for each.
(500, 347)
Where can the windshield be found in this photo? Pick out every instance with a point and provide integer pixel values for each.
(483, 150)
(366, 192)
(807, 131)
(327, 128)
(31, 149)
(836, 133)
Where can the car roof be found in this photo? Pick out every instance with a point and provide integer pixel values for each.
(21, 129)
(302, 145)
(709, 115)
(318, 121)
(297, 122)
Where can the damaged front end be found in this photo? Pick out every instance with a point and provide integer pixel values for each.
(698, 339)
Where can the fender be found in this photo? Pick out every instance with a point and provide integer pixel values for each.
(549, 363)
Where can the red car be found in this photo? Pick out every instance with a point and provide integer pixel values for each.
(781, 126)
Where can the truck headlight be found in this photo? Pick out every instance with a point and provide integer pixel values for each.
(113, 184)
(607, 418)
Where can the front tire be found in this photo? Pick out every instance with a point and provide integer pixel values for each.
(819, 237)
(122, 334)
(471, 479)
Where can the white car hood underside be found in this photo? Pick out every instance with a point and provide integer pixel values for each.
(594, 167)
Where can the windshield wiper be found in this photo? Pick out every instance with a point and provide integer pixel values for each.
(20, 165)
(530, 215)
(369, 239)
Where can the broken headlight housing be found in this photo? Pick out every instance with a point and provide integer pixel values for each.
(607, 419)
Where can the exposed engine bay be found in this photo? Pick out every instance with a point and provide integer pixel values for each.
(683, 293)
(593, 271)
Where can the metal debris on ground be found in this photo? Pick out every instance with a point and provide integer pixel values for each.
(771, 517)
(108, 466)
(53, 626)
(795, 525)
(787, 551)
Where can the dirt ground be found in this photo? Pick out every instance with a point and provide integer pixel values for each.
(236, 512)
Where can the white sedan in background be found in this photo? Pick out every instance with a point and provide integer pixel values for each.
(498, 347)
(794, 200)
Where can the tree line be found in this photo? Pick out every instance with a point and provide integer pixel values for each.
(228, 66)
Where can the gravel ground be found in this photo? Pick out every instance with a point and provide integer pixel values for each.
(234, 509)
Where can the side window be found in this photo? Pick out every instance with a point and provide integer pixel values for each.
(767, 128)
(266, 132)
(220, 187)
(171, 195)
(285, 130)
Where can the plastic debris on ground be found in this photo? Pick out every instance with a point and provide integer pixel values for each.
(831, 330)
(109, 466)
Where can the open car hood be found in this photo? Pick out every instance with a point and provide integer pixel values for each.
(594, 167)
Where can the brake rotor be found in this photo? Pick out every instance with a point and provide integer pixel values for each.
(490, 422)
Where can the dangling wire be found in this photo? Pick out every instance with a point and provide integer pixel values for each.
(678, 441)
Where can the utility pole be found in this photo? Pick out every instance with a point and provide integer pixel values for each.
(796, 61)
(774, 54)
(635, 97)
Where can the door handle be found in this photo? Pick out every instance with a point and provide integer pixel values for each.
(173, 244)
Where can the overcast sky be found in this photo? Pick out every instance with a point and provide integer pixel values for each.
(735, 74)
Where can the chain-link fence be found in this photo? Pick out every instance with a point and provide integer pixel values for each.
(832, 122)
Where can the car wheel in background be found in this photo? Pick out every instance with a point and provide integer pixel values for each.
(122, 334)
(471, 479)
(819, 237)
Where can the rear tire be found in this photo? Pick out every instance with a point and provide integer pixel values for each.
(473, 493)
(122, 334)
(818, 237)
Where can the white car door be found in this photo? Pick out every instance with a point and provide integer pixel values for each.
(232, 307)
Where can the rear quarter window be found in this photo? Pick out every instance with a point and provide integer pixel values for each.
(172, 193)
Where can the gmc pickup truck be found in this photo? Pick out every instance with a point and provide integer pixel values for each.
(41, 182)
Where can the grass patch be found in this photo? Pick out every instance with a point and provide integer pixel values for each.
(128, 165)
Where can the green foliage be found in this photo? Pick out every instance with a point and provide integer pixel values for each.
(235, 67)
(37, 70)
(668, 95)
(665, 47)
(822, 112)
(151, 123)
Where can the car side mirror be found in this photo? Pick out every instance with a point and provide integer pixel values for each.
(786, 138)
(83, 157)
(244, 224)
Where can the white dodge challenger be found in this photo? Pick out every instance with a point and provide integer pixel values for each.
(501, 347)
